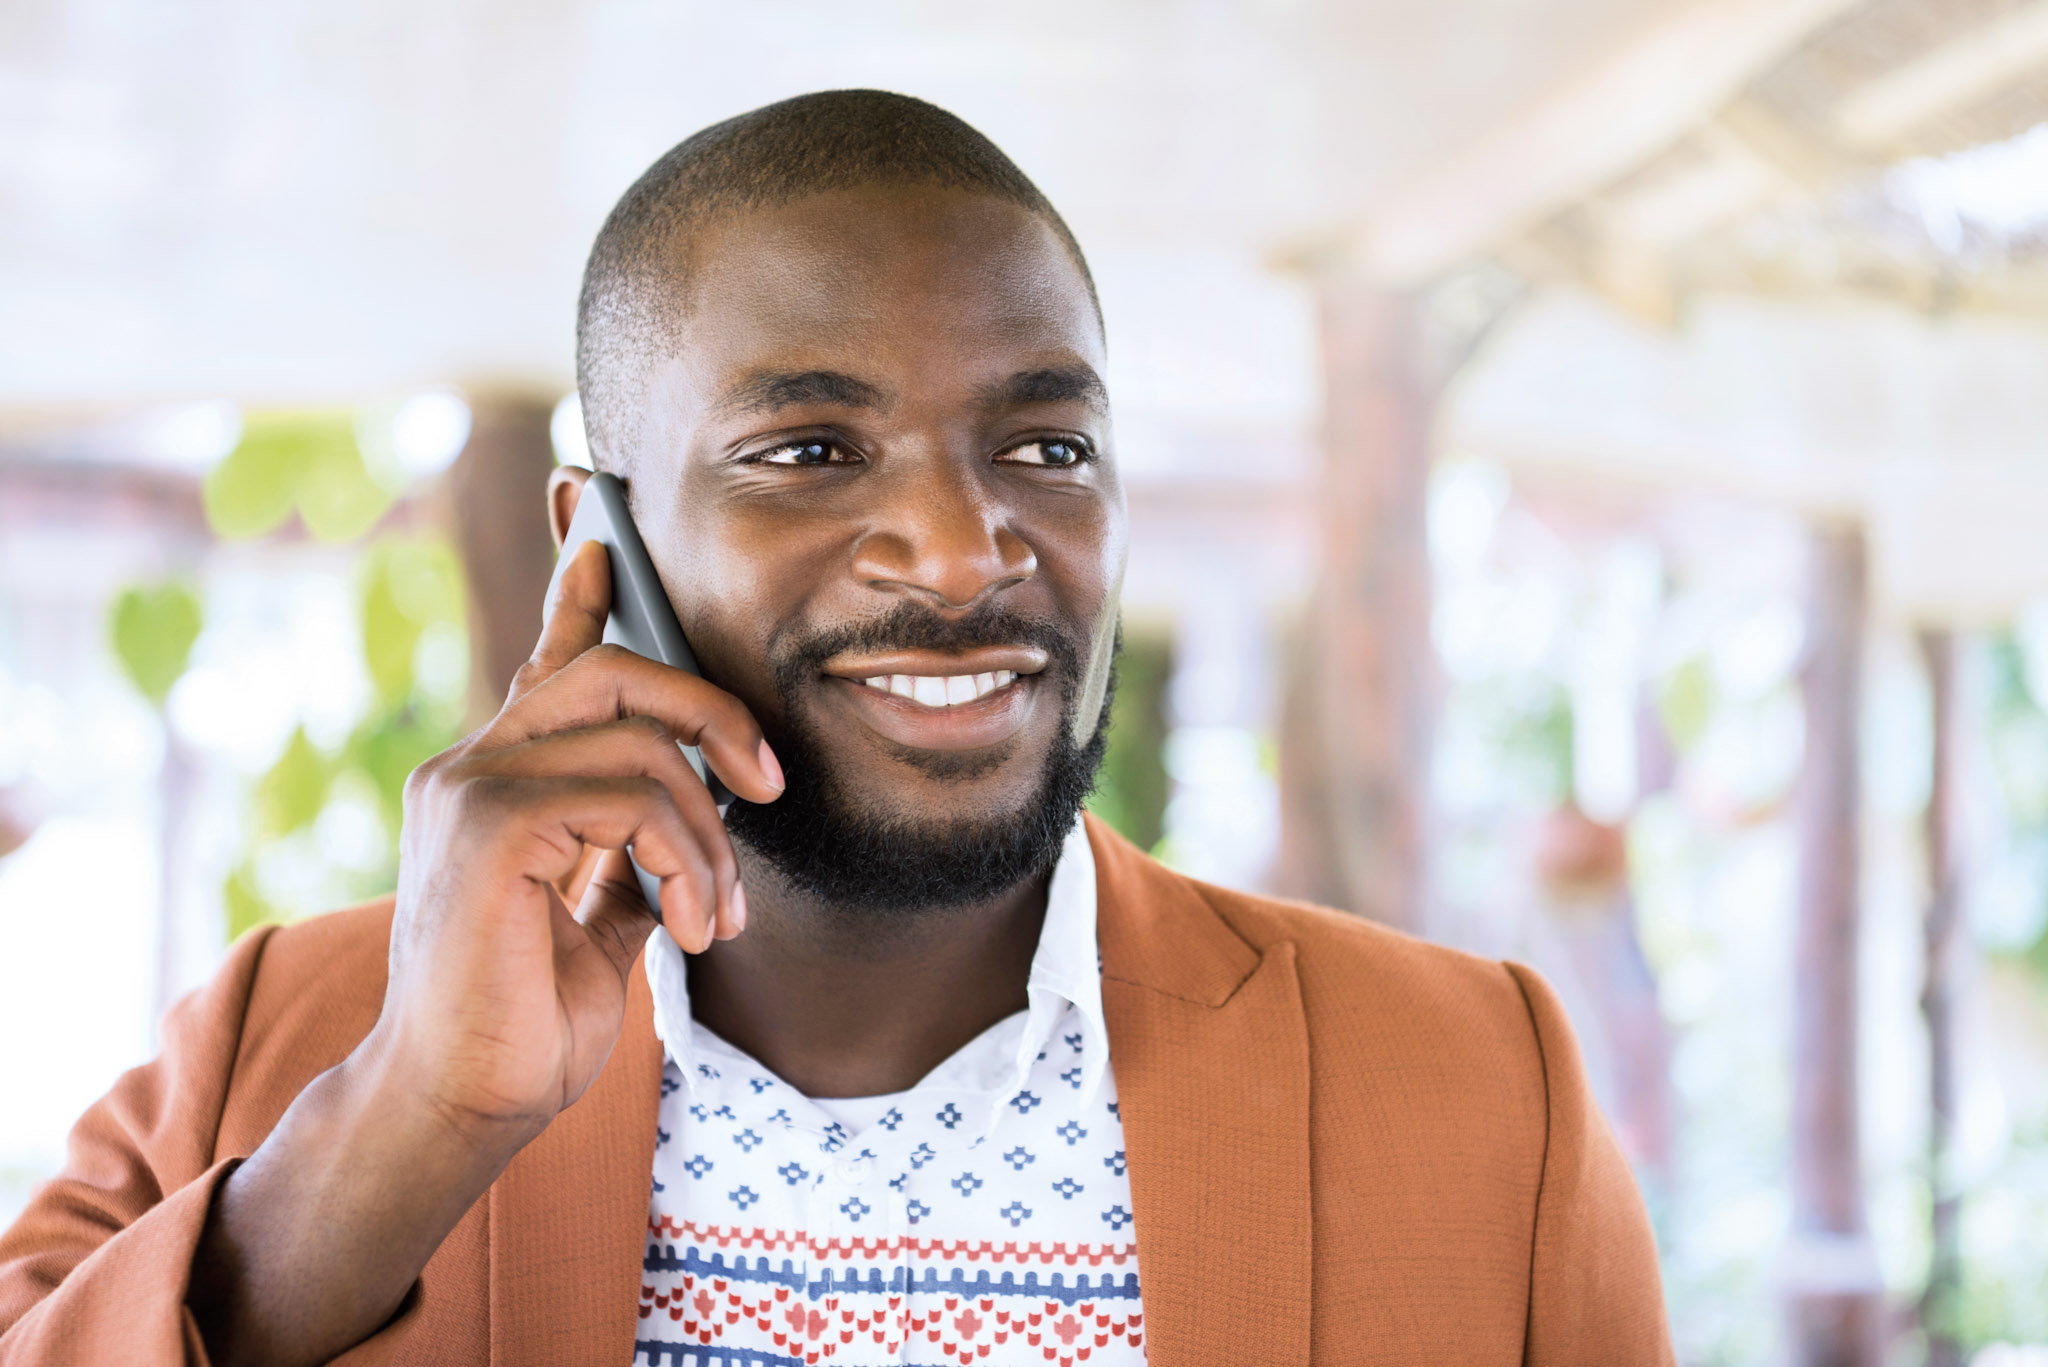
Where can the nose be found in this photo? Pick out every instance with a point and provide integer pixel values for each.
(944, 539)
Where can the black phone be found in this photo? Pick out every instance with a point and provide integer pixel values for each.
(642, 619)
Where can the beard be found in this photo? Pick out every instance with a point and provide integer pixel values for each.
(826, 842)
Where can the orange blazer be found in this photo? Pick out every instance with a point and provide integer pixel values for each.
(1346, 1146)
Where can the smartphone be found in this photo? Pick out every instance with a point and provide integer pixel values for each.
(642, 619)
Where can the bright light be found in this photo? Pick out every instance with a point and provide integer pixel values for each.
(1999, 189)
(429, 430)
(192, 436)
(565, 429)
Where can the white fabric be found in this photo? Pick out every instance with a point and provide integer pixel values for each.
(984, 1216)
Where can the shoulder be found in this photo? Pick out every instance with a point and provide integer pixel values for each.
(1370, 987)
(315, 987)
(1357, 978)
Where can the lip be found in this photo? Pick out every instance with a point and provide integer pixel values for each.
(1020, 660)
(988, 720)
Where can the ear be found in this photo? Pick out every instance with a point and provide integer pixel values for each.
(565, 489)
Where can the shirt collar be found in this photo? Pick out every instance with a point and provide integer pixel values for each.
(1066, 969)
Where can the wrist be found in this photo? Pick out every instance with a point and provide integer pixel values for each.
(381, 1089)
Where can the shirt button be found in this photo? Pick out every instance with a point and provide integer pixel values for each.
(857, 1170)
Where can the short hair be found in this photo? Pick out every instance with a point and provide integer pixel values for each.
(829, 140)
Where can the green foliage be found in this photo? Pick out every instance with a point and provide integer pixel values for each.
(246, 906)
(290, 796)
(287, 461)
(387, 748)
(411, 612)
(153, 630)
(1131, 792)
(1527, 723)
(1685, 702)
(410, 585)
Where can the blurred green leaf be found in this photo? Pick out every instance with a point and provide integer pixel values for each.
(253, 490)
(412, 609)
(337, 498)
(426, 579)
(409, 584)
(390, 636)
(391, 749)
(1685, 703)
(153, 629)
(291, 795)
(245, 905)
(303, 460)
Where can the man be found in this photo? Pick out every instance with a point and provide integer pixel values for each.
(914, 1067)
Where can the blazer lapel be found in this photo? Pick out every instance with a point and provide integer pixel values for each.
(1209, 1046)
(568, 1217)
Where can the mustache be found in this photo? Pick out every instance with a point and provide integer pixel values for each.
(912, 626)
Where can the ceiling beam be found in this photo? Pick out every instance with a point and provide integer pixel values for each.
(1953, 76)
(1586, 135)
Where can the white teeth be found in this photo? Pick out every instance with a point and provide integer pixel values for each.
(949, 690)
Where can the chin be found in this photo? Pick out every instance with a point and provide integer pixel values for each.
(946, 829)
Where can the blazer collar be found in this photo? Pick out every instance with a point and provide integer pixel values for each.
(1209, 1044)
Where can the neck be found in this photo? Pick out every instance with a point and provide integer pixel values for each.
(844, 1003)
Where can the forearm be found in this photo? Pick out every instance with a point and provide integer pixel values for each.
(313, 1243)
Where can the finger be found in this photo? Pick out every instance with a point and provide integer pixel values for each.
(611, 911)
(575, 617)
(610, 682)
(634, 746)
(571, 887)
(551, 819)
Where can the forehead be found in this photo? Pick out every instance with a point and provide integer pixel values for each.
(883, 276)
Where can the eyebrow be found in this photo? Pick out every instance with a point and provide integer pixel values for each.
(772, 390)
(1059, 384)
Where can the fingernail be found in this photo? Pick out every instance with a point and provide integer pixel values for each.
(771, 768)
(739, 907)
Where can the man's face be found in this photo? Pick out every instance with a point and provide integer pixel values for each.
(882, 453)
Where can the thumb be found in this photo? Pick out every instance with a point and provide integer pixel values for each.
(576, 613)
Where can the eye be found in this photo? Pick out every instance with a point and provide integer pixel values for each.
(1054, 451)
(810, 451)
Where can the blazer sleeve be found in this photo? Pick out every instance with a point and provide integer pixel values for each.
(96, 1267)
(1595, 1295)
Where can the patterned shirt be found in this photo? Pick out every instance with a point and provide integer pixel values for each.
(982, 1217)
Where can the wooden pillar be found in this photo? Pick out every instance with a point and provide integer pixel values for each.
(1945, 862)
(1834, 1293)
(1356, 746)
(497, 515)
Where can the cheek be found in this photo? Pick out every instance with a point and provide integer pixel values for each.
(1097, 603)
(741, 579)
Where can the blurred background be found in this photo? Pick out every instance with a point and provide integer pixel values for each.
(1588, 465)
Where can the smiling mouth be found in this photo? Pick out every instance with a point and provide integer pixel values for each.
(936, 691)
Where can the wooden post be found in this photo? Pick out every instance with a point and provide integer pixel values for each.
(497, 514)
(1937, 1004)
(1834, 1292)
(1356, 747)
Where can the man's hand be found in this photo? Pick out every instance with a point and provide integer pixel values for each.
(504, 1001)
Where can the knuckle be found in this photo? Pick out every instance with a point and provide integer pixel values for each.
(427, 783)
(482, 797)
(649, 728)
(655, 793)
